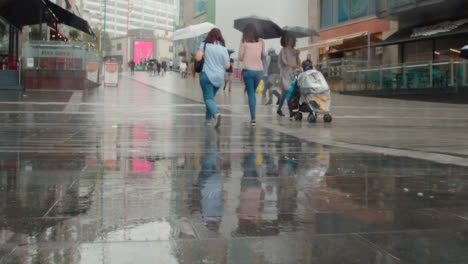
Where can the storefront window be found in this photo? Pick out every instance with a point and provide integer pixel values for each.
(418, 51)
(446, 49)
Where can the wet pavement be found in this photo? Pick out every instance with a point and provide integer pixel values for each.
(130, 174)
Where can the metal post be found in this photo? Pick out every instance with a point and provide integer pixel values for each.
(452, 73)
(104, 40)
(128, 20)
(368, 48)
(405, 81)
(380, 77)
(464, 73)
(431, 77)
(359, 79)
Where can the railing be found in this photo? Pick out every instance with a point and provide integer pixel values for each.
(333, 69)
(444, 75)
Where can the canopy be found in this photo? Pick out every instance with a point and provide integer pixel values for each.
(440, 30)
(20, 13)
(334, 41)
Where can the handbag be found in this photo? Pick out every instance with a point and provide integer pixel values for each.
(199, 64)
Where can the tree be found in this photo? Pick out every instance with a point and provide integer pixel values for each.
(74, 35)
(95, 41)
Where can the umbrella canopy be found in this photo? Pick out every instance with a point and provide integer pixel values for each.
(230, 51)
(300, 32)
(193, 31)
(266, 28)
(464, 52)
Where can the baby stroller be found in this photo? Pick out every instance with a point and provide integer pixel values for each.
(310, 93)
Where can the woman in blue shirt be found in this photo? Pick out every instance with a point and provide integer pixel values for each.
(212, 77)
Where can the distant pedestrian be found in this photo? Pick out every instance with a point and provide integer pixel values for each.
(163, 68)
(251, 51)
(289, 62)
(273, 75)
(155, 67)
(307, 64)
(216, 57)
(228, 75)
(132, 67)
(183, 69)
(158, 67)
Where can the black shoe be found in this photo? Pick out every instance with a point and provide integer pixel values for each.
(280, 113)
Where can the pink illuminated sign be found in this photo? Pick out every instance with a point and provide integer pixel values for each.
(142, 51)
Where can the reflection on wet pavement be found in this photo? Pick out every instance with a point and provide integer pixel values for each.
(133, 176)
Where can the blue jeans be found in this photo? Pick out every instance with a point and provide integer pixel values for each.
(209, 93)
(283, 97)
(251, 80)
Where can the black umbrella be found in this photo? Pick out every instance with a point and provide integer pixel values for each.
(266, 28)
(300, 32)
(464, 52)
(230, 51)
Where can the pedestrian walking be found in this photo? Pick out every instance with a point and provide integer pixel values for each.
(273, 75)
(216, 61)
(228, 75)
(251, 51)
(289, 62)
(307, 64)
(158, 67)
(163, 68)
(132, 67)
(183, 69)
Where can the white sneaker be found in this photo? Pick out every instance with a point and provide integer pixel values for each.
(217, 118)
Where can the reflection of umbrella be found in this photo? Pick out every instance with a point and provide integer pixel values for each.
(266, 28)
(300, 32)
(464, 52)
(193, 31)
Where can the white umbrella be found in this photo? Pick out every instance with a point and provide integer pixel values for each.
(193, 31)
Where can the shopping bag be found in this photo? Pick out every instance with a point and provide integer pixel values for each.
(260, 87)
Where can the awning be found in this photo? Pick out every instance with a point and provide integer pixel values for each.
(20, 13)
(440, 30)
(334, 41)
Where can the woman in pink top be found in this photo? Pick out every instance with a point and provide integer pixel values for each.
(251, 51)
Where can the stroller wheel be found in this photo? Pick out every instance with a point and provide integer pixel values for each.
(312, 118)
(298, 116)
(327, 118)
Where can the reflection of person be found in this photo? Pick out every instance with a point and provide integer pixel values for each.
(228, 75)
(289, 62)
(212, 76)
(307, 64)
(251, 50)
(211, 184)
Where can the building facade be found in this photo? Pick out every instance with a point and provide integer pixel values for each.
(349, 30)
(141, 14)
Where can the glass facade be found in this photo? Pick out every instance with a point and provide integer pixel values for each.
(334, 12)
(201, 6)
